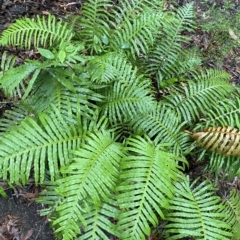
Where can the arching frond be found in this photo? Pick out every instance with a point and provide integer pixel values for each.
(28, 32)
(163, 126)
(42, 143)
(146, 187)
(195, 98)
(196, 212)
(167, 57)
(224, 140)
(90, 180)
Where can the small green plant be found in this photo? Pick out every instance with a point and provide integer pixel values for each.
(104, 119)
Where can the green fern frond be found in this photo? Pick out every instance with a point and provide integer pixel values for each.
(163, 60)
(147, 176)
(136, 33)
(27, 32)
(196, 98)
(224, 140)
(109, 67)
(16, 86)
(162, 125)
(232, 208)
(223, 166)
(95, 24)
(91, 178)
(14, 116)
(196, 212)
(49, 197)
(7, 62)
(98, 222)
(43, 143)
(82, 101)
(127, 98)
(224, 113)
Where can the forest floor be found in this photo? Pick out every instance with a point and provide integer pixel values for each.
(19, 214)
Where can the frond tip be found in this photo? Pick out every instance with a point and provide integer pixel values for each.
(196, 212)
(224, 140)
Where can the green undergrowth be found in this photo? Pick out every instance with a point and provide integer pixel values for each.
(107, 117)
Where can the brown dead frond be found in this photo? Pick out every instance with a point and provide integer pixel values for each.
(224, 140)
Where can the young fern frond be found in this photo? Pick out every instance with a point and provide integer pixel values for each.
(162, 125)
(147, 175)
(99, 156)
(197, 97)
(196, 212)
(224, 140)
(42, 31)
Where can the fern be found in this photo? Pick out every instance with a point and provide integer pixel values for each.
(44, 32)
(85, 123)
(162, 125)
(232, 208)
(196, 212)
(95, 24)
(7, 62)
(167, 57)
(197, 97)
(147, 170)
(127, 99)
(224, 113)
(33, 143)
(98, 156)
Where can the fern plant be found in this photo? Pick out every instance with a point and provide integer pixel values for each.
(88, 123)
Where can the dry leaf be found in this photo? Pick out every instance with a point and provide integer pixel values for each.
(232, 34)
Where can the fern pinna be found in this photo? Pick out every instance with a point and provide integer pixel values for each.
(86, 123)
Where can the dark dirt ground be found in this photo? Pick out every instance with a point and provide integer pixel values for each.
(19, 214)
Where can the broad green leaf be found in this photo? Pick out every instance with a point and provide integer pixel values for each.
(46, 53)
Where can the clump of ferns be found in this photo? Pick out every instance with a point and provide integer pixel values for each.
(88, 124)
